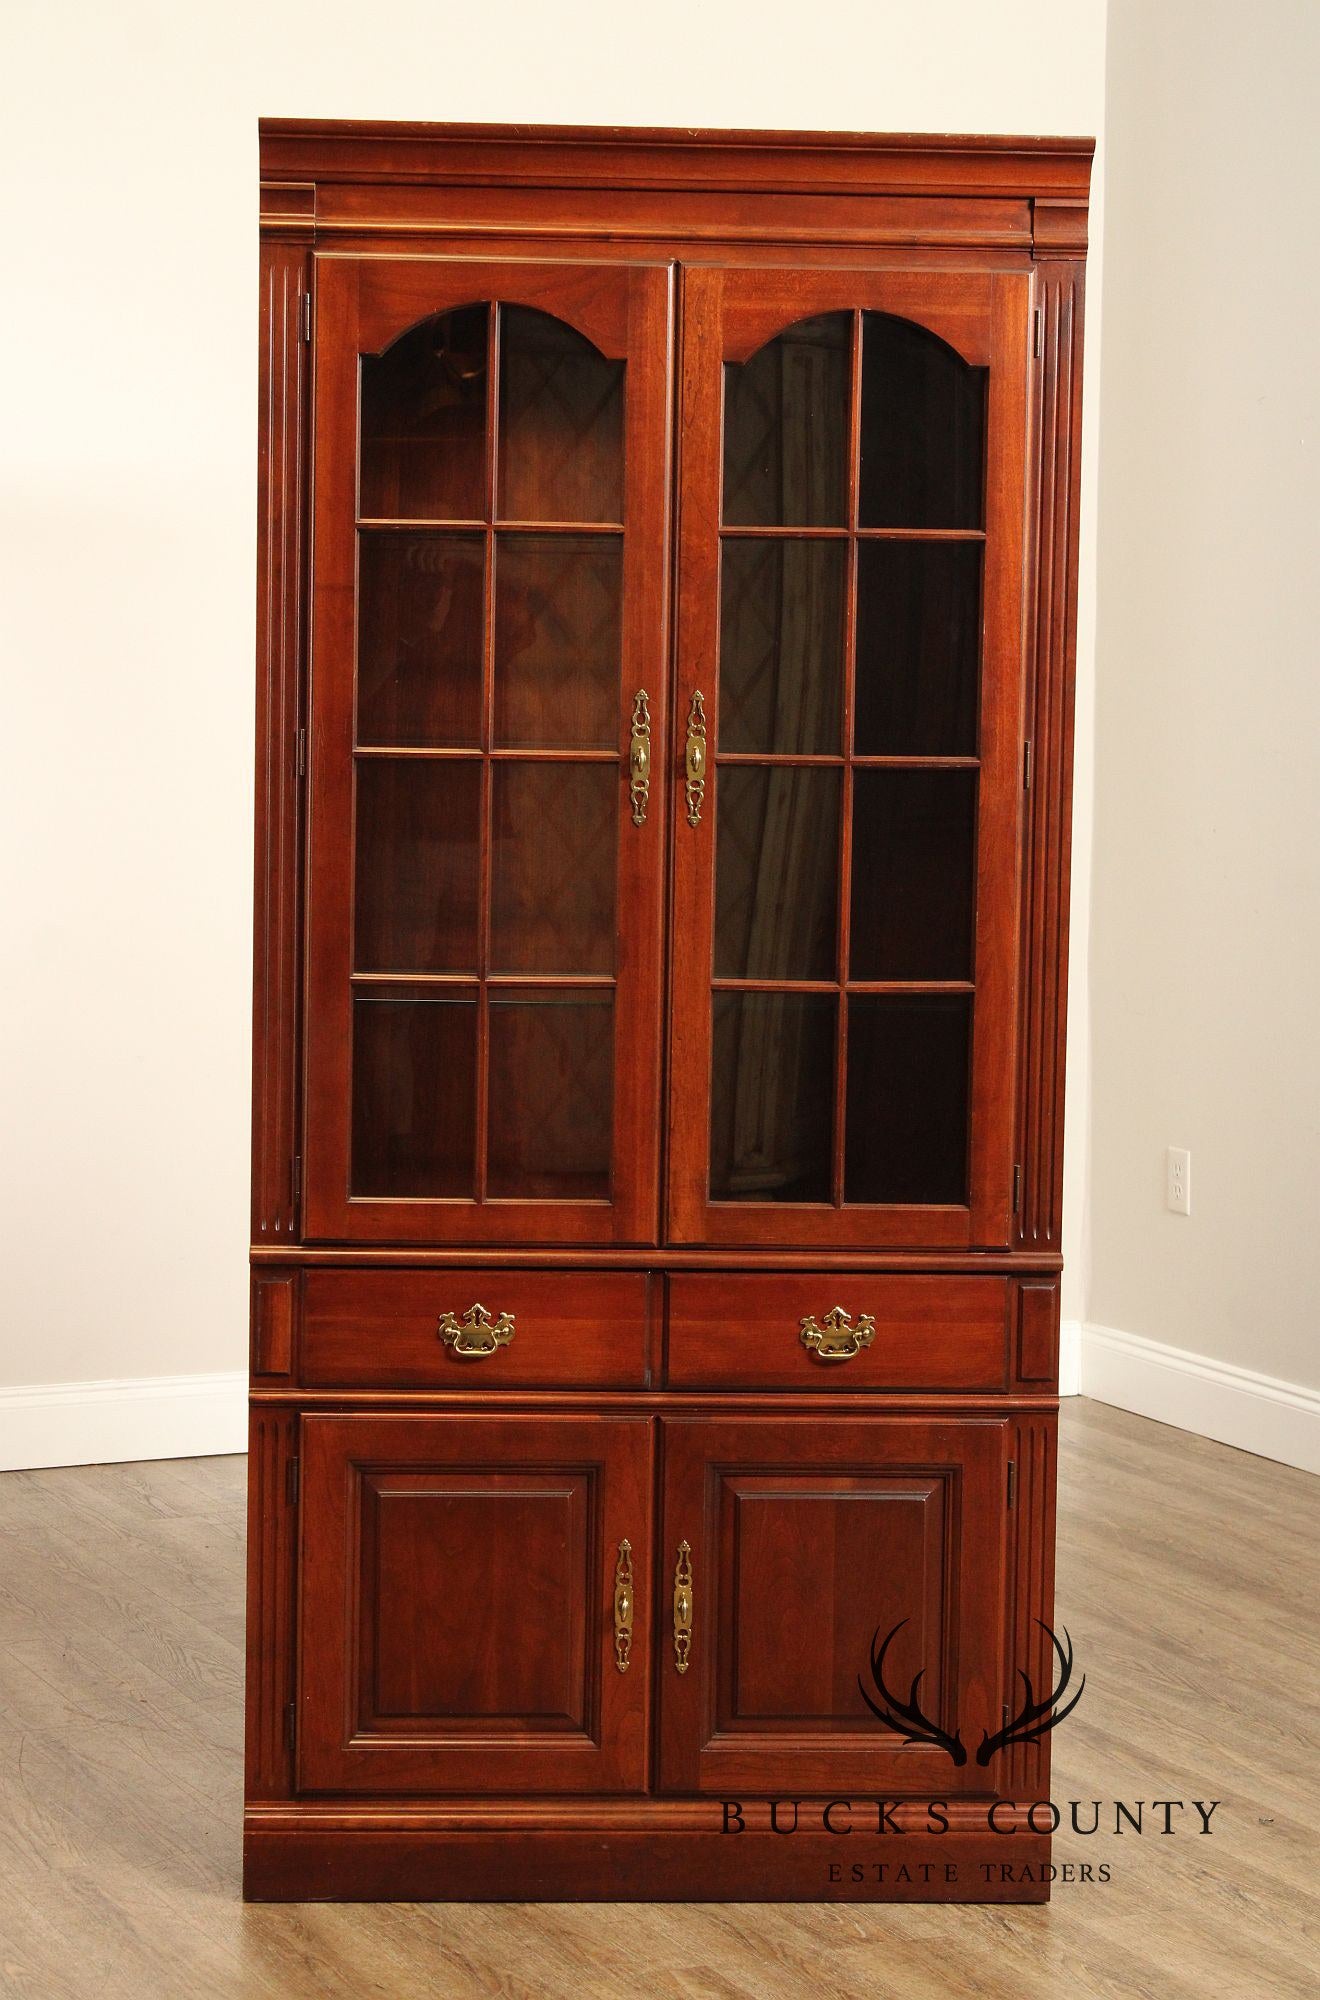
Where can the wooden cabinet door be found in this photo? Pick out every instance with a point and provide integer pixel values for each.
(849, 709)
(799, 1543)
(459, 1583)
(488, 647)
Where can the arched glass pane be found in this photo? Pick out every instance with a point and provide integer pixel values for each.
(561, 423)
(786, 429)
(923, 430)
(423, 454)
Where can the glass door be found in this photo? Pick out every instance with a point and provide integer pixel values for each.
(848, 718)
(488, 648)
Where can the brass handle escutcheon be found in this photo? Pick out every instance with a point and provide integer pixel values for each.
(476, 1333)
(694, 759)
(682, 1608)
(639, 756)
(623, 1607)
(835, 1338)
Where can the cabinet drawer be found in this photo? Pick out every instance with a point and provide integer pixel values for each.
(474, 1328)
(746, 1332)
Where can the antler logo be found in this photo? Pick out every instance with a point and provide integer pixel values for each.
(1033, 1720)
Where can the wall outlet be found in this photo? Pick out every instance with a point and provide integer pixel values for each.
(1178, 1180)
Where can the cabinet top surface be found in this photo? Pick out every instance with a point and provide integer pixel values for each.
(1000, 164)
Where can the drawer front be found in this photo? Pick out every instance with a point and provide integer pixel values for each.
(477, 1329)
(863, 1331)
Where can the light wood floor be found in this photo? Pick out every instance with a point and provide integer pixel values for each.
(1188, 1577)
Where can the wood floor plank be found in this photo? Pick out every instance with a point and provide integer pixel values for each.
(1188, 1576)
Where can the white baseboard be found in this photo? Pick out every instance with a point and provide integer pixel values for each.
(1070, 1358)
(106, 1423)
(1237, 1406)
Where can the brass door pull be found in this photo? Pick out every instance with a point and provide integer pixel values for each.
(623, 1607)
(682, 1608)
(639, 756)
(835, 1338)
(694, 759)
(476, 1334)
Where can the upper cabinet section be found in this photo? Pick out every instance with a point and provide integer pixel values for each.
(850, 656)
(581, 890)
(487, 648)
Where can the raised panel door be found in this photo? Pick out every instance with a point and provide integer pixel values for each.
(804, 1546)
(458, 1604)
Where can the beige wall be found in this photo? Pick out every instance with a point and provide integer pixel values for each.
(1205, 952)
(128, 371)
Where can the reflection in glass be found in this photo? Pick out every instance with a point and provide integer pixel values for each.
(786, 429)
(557, 641)
(414, 1098)
(419, 639)
(918, 648)
(424, 423)
(776, 871)
(561, 423)
(416, 882)
(913, 853)
(772, 1096)
(551, 1094)
(553, 852)
(906, 1121)
(781, 644)
(923, 423)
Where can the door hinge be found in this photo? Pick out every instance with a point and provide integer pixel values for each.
(306, 315)
(1012, 1481)
(302, 753)
(1017, 1190)
(1026, 765)
(291, 1482)
(290, 1725)
(296, 1180)
(1036, 323)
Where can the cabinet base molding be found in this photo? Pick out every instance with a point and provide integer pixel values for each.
(657, 1851)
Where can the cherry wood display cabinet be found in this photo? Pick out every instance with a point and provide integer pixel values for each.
(666, 605)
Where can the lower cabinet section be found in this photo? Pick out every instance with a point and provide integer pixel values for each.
(458, 1604)
(485, 1609)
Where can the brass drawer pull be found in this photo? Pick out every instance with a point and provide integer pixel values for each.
(682, 1608)
(623, 1607)
(694, 759)
(476, 1333)
(639, 756)
(835, 1338)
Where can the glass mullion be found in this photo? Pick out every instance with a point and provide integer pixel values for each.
(734, 531)
(727, 984)
(790, 759)
(846, 804)
(899, 762)
(921, 534)
(482, 1078)
(603, 528)
(393, 523)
